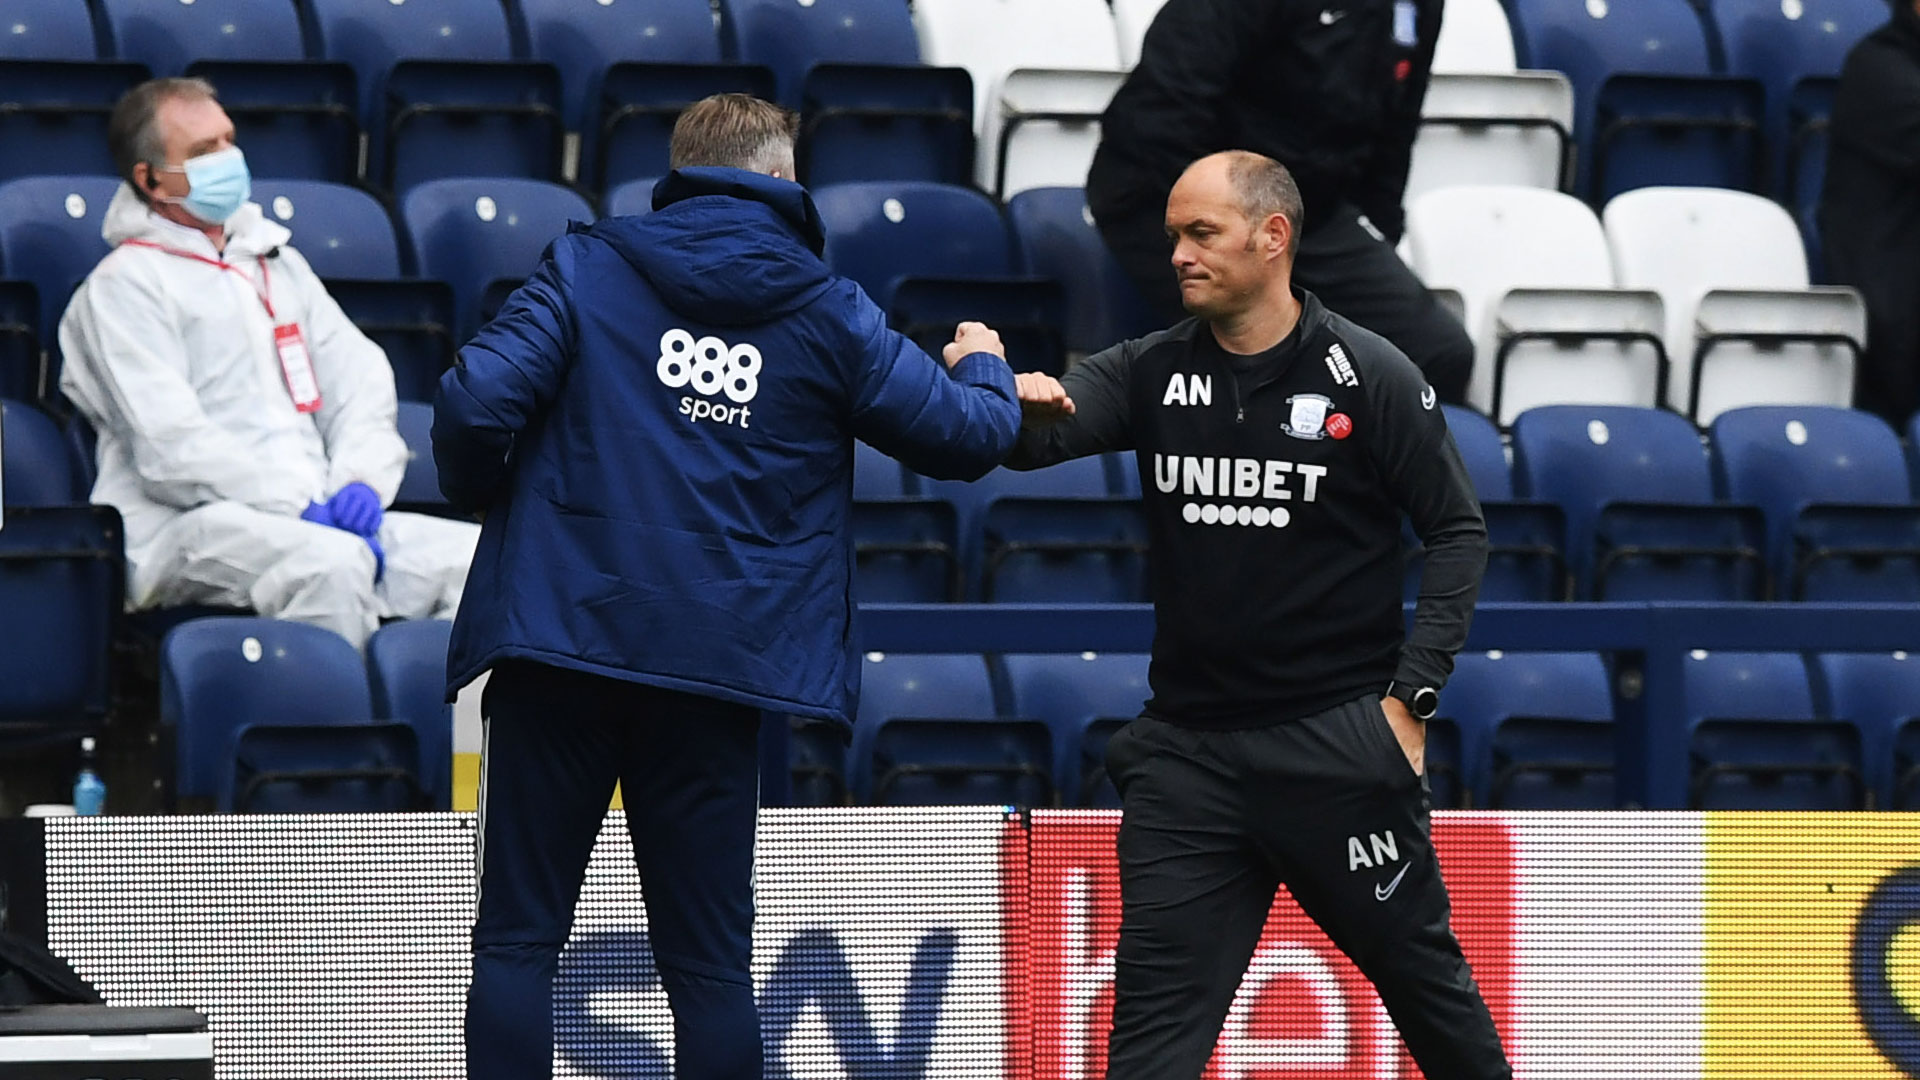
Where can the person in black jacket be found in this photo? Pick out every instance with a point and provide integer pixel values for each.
(1279, 445)
(1330, 88)
(1870, 207)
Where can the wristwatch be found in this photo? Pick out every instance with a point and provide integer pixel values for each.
(1421, 701)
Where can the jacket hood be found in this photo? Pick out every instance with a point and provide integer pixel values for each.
(128, 218)
(725, 247)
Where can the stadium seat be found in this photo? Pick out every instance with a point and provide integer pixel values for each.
(816, 763)
(412, 321)
(1757, 743)
(1079, 479)
(1475, 39)
(1833, 484)
(341, 231)
(584, 40)
(1535, 729)
(1732, 265)
(1131, 18)
(905, 551)
(1082, 550)
(1526, 540)
(277, 714)
(1650, 109)
(407, 676)
(1638, 494)
(167, 35)
(885, 122)
(296, 119)
(1913, 453)
(420, 486)
(36, 465)
(1809, 142)
(62, 585)
(630, 198)
(22, 377)
(881, 232)
(1056, 238)
(473, 232)
(928, 734)
(49, 30)
(1548, 325)
(1043, 72)
(50, 235)
(1073, 693)
(639, 103)
(792, 38)
(55, 120)
(1783, 45)
(1879, 693)
(1515, 128)
(875, 475)
(1026, 312)
(440, 93)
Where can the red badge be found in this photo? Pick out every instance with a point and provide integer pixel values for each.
(1339, 425)
(1401, 70)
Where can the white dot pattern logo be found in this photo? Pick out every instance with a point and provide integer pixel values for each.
(1212, 514)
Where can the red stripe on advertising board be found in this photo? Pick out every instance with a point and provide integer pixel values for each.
(1304, 1011)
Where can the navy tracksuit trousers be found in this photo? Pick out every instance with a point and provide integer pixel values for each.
(688, 768)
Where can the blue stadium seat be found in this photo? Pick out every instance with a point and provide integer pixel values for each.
(1075, 693)
(297, 119)
(1913, 453)
(1833, 484)
(886, 122)
(584, 40)
(343, 232)
(1526, 540)
(412, 320)
(407, 675)
(271, 714)
(21, 374)
(816, 763)
(928, 733)
(1535, 730)
(882, 232)
(440, 92)
(1027, 313)
(420, 486)
(50, 235)
(791, 38)
(473, 232)
(55, 120)
(1783, 46)
(1758, 744)
(639, 103)
(1879, 693)
(1079, 479)
(905, 551)
(629, 199)
(49, 30)
(875, 475)
(62, 585)
(1648, 109)
(1057, 239)
(1642, 523)
(167, 35)
(36, 459)
(1064, 549)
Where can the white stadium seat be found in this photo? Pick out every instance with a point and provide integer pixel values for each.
(1475, 39)
(1733, 273)
(1535, 281)
(1493, 129)
(1043, 69)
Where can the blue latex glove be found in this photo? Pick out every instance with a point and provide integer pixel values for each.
(355, 508)
(379, 559)
(317, 513)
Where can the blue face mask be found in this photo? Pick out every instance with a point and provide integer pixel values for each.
(219, 185)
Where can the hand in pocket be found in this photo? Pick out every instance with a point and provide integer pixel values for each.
(1411, 733)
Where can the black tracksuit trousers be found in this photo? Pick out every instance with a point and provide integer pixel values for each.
(1216, 821)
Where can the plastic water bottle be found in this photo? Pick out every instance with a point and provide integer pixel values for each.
(89, 791)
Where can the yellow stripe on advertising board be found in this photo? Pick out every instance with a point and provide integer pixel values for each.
(1786, 943)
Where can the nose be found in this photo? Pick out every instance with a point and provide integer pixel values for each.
(1183, 256)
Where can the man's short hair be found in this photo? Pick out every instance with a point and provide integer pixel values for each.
(133, 131)
(735, 131)
(1264, 188)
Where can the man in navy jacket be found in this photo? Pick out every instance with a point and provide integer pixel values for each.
(658, 428)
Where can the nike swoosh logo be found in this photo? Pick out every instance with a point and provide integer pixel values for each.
(1427, 398)
(1328, 18)
(1382, 892)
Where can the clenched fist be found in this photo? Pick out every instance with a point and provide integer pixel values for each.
(970, 338)
(1042, 397)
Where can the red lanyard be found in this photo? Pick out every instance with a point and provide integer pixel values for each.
(264, 290)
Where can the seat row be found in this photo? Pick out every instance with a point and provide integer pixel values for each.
(1515, 730)
(1039, 271)
(1696, 299)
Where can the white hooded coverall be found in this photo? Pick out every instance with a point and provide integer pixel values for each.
(173, 361)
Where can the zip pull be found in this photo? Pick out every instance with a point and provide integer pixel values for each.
(1239, 415)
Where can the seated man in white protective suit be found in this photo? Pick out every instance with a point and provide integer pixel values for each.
(246, 427)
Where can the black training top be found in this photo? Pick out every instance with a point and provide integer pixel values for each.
(1274, 487)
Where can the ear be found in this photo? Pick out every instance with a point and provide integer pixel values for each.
(143, 176)
(1279, 236)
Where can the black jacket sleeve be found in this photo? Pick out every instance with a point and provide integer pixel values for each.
(1102, 417)
(1421, 466)
(1382, 189)
(1189, 57)
(1877, 111)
